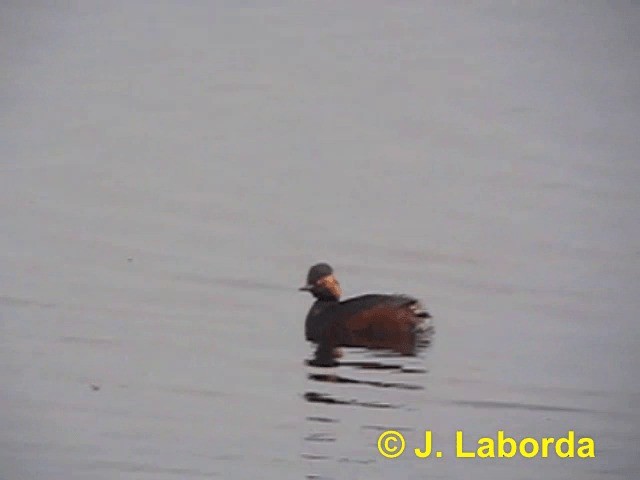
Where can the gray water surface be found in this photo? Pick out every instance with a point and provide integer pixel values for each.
(168, 173)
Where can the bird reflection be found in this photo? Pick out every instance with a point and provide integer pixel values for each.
(334, 378)
(342, 387)
(372, 383)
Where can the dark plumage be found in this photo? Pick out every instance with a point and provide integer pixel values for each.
(395, 322)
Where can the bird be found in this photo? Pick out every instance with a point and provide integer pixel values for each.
(374, 321)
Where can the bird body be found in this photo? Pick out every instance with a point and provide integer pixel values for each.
(375, 321)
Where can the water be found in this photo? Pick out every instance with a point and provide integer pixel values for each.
(170, 172)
